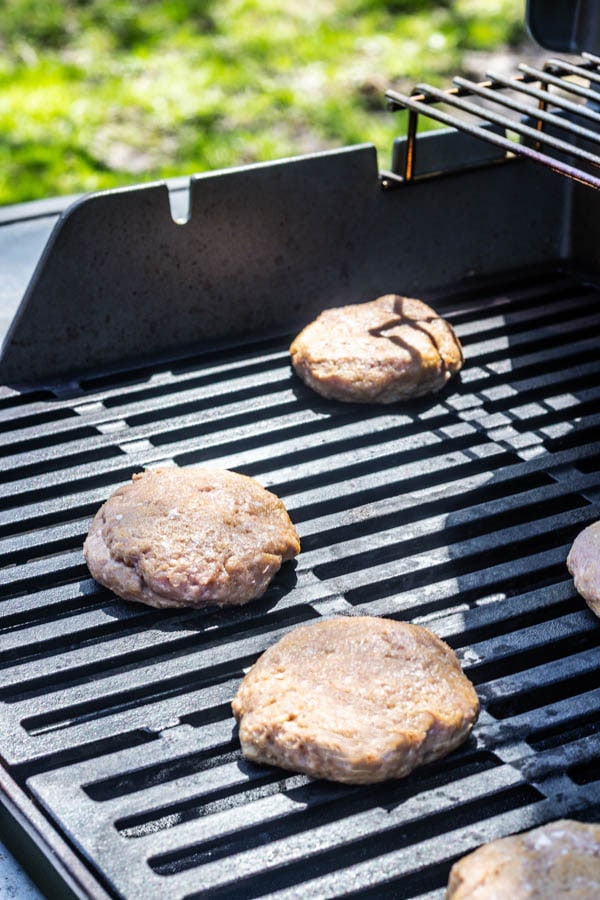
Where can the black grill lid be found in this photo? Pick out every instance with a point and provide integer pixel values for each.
(567, 25)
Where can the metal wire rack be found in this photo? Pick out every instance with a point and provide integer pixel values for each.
(555, 117)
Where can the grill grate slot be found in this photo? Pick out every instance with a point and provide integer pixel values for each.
(231, 791)
(550, 682)
(455, 511)
(579, 727)
(551, 124)
(346, 833)
(586, 773)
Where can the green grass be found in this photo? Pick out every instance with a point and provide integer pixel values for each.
(100, 93)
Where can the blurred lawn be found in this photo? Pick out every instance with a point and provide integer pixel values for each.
(98, 93)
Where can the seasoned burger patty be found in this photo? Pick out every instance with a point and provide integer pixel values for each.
(388, 349)
(583, 563)
(190, 537)
(561, 859)
(356, 700)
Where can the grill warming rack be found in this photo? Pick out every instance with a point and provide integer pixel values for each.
(544, 100)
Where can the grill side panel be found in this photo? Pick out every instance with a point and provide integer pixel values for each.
(294, 236)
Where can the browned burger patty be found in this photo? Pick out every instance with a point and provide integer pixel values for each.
(388, 349)
(356, 700)
(583, 563)
(561, 859)
(190, 537)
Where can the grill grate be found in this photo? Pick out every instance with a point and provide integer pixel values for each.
(564, 139)
(455, 511)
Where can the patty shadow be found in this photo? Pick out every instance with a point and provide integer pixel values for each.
(336, 409)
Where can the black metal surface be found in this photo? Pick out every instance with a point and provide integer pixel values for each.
(41, 850)
(131, 281)
(455, 511)
(552, 139)
(564, 25)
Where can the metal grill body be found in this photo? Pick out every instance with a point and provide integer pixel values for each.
(454, 511)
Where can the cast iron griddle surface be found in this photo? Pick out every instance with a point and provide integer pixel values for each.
(455, 511)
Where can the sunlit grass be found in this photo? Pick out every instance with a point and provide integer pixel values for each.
(108, 92)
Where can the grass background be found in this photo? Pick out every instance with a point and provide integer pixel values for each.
(99, 93)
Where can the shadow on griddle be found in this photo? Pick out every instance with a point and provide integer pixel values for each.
(203, 618)
(342, 410)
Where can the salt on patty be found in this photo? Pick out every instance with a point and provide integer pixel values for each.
(190, 537)
(561, 859)
(388, 349)
(356, 700)
(583, 563)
